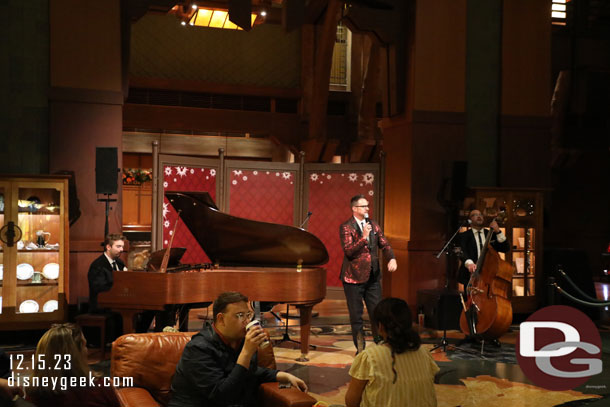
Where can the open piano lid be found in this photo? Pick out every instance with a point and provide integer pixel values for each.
(232, 241)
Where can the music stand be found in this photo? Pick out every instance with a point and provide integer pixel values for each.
(444, 344)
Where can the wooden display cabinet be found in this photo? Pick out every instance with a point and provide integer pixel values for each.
(33, 251)
(523, 229)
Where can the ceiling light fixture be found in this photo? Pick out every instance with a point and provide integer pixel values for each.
(201, 16)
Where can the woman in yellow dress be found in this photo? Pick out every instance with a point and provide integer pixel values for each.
(397, 372)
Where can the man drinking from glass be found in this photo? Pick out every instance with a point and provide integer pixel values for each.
(219, 365)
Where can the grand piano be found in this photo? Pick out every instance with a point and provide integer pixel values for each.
(265, 261)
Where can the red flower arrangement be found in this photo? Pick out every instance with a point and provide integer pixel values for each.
(136, 176)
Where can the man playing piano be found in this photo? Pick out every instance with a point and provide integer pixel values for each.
(361, 240)
(219, 365)
(100, 271)
(101, 279)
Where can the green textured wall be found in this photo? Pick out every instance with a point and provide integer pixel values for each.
(24, 83)
(265, 56)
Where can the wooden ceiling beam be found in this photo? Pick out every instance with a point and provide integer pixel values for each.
(323, 62)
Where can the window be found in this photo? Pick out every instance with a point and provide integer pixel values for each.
(342, 53)
(559, 12)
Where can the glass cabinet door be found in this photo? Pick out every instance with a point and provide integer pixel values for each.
(524, 260)
(38, 251)
(2, 244)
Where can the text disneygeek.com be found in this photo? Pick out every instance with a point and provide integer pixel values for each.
(63, 383)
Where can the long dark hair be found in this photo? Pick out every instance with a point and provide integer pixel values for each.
(395, 317)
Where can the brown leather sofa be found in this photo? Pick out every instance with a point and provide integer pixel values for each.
(151, 360)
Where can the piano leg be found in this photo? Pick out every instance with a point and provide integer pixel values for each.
(305, 323)
(128, 316)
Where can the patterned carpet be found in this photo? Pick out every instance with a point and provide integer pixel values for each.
(466, 378)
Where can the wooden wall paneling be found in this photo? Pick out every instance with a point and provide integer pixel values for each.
(526, 58)
(284, 126)
(131, 205)
(323, 61)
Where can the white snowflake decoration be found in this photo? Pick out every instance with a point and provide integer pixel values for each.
(168, 171)
(255, 172)
(175, 180)
(313, 177)
(181, 171)
(234, 182)
(328, 176)
(165, 184)
(166, 223)
(213, 172)
(171, 232)
(165, 242)
(192, 171)
(371, 192)
(277, 174)
(286, 175)
(165, 209)
(245, 178)
(368, 178)
(353, 177)
(237, 173)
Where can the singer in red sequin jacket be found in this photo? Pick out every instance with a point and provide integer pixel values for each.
(361, 257)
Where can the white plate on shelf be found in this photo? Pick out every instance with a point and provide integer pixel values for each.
(51, 271)
(50, 306)
(28, 307)
(25, 271)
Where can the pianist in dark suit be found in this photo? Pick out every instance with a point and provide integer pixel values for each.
(100, 271)
(101, 279)
(361, 240)
(219, 367)
(472, 241)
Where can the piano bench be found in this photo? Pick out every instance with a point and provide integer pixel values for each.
(95, 321)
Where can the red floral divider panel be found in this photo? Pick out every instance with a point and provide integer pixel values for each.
(187, 179)
(263, 195)
(329, 201)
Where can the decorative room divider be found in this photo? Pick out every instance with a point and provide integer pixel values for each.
(273, 192)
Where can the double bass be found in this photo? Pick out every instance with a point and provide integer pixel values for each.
(488, 312)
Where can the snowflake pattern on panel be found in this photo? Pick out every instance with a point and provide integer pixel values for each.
(262, 195)
(185, 179)
(329, 200)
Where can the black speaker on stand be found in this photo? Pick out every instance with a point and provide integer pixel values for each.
(106, 176)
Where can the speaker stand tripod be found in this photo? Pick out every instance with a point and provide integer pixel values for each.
(107, 200)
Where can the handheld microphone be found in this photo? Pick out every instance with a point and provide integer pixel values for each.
(368, 220)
